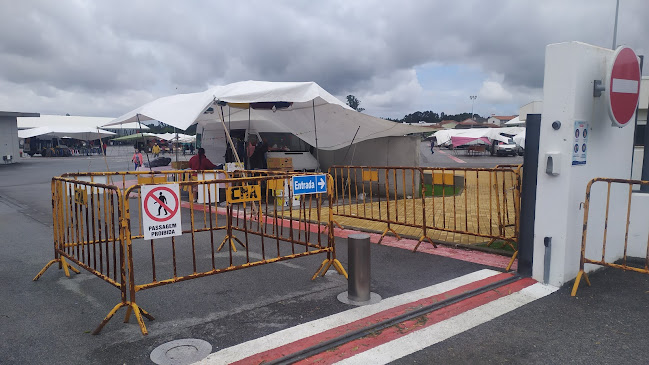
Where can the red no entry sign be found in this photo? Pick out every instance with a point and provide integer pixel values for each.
(623, 86)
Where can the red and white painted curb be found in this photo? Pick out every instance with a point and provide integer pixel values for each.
(398, 341)
(477, 257)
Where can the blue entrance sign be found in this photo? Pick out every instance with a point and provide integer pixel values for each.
(309, 184)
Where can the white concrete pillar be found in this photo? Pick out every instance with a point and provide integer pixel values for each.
(570, 69)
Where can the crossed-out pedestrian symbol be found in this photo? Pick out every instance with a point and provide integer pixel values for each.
(167, 203)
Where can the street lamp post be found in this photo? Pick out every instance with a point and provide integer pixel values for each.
(472, 97)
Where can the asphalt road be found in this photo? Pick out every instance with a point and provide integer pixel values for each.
(49, 321)
(446, 158)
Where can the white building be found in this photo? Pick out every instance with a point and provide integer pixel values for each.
(9, 146)
(500, 119)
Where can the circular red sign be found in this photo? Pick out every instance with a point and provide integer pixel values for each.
(623, 86)
(172, 212)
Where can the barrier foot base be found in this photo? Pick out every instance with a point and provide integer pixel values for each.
(335, 224)
(386, 232)
(577, 280)
(230, 238)
(62, 262)
(422, 239)
(326, 264)
(108, 317)
(511, 262)
(130, 308)
(491, 242)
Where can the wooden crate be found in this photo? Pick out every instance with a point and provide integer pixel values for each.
(179, 165)
(280, 162)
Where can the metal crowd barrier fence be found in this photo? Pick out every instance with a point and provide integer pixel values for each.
(622, 189)
(102, 231)
(477, 202)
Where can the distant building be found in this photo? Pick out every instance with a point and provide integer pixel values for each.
(466, 124)
(448, 124)
(500, 119)
(9, 144)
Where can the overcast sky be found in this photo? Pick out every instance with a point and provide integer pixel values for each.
(104, 58)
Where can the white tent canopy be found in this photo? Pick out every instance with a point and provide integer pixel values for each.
(515, 122)
(311, 110)
(444, 136)
(72, 121)
(182, 138)
(82, 133)
(519, 139)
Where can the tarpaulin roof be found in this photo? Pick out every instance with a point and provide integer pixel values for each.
(180, 137)
(462, 141)
(71, 121)
(83, 133)
(136, 136)
(444, 136)
(514, 122)
(519, 139)
(301, 108)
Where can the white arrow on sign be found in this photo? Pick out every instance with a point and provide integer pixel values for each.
(322, 183)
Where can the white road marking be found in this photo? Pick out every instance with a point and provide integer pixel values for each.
(624, 86)
(283, 337)
(441, 331)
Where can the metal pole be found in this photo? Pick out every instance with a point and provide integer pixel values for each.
(176, 131)
(315, 131)
(617, 8)
(528, 195)
(472, 97)
(144, 141)
(358, 250)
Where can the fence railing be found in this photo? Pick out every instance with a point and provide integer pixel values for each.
(419, 201)
(99, 227)
(605, 255)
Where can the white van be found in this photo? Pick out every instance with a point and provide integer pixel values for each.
(280, 143)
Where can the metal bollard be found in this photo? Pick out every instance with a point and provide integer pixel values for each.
(358, 250)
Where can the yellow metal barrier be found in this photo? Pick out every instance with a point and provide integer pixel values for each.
(624, 189)
(105, 235)
(426, 202)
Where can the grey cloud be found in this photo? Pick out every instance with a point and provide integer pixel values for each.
(153, 48)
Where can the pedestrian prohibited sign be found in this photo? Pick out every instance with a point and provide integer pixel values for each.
(161, 211)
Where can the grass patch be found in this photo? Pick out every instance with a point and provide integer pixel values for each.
(442, 190)
(497, 245)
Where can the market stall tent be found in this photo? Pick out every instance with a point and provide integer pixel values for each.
(76, 132)
(301, 108)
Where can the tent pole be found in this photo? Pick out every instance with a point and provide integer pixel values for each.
(176, 141)
(143, 139)
(350, 145)
(101, 145)
(315, 131)
(227, 135)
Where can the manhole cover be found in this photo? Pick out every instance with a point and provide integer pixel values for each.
(181, 352)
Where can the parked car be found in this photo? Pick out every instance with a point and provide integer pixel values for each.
(508, 149)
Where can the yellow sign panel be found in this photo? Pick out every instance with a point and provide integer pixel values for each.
(240, 194)
(81, 196)
(445, 178)
(370, 176)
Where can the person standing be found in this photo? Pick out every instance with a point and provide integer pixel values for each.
(432, 146)
(103, 147)
(137, 159)
(200, 162)
(156, 150)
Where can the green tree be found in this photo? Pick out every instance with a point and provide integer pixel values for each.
(354, 103)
